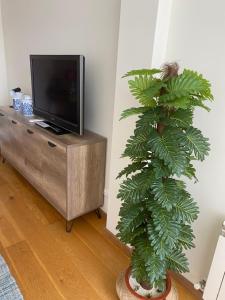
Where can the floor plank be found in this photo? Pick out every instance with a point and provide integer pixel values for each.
(9, 235)
(113, 257)
(35, 279)
(49, 263)
(13, 272)
(52, 257)
(89, 265)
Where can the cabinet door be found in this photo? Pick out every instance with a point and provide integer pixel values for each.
(31, 153)
(46, 165)
(11, 141)
(54, 166)
(3, 131)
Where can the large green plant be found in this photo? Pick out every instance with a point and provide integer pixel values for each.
(157, 210)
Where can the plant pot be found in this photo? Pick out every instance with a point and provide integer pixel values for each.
(125, 292)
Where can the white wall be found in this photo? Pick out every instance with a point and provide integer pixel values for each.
(3, 78)
(197, 41)
(67, 27)
(142, 44)
(135, 46)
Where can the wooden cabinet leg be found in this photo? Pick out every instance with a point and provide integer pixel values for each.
(3, 160)
(69, 226)
(98, 213)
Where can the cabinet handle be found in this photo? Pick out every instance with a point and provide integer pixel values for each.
(51, 144)
(14, 122)
(1, 115)
(29, 131)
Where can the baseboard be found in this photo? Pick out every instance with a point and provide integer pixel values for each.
(119, 244)
(188, 285)
(178, 277)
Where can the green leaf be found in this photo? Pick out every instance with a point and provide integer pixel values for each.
(196, 143)
(188, 83)
(153, 90)
(131, 210)
(186, 237)
(190, 172)
(182, 118)
(186, 210)
(160, 169)
(137, 146)
(200, 86)
(177, 103)
(133, 111)
(146, 121)
(163, 233)
(159, 245)
(133, 189)
(138, 266)
(177, 261)
(148, 72)
(145, 179)
(130, 191)
(131, 168)
(130, 221)
(143, 246)
(197, 102)
(156, 268)
(144, 88)
(165, 192)
(166, 147)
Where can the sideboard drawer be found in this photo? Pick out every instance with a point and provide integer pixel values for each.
(12, 142)
(46, 162)
(32, 161)
(54, 166)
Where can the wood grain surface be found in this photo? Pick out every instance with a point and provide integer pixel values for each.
(68, 170)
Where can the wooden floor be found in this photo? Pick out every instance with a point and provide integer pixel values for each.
(49, 263)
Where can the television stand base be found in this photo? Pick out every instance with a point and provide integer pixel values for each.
(98, 213)
(69, 224)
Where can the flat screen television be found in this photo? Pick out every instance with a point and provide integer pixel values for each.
(58, 89)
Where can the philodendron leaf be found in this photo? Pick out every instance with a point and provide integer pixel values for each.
(196, 143)
(177, 261)
(182, 118)
(165, 192)
(166, 147)
(145, 89)
(133, 111)
(148, 72)
(155, 268)
(147, 121)
(137, 146)
(186, 237)
(131, 168)
(185, 210)
(187, 84)
(190, 172)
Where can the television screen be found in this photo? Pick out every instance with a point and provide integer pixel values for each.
(57, 86)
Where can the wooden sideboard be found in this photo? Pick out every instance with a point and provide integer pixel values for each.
(68, 170)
